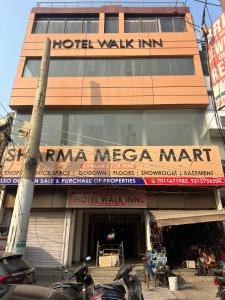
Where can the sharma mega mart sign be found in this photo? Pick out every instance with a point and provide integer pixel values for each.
(119, 165)
(216, 53)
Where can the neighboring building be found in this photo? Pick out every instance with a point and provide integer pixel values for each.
(124, 139)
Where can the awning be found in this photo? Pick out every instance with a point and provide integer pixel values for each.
(179, 217)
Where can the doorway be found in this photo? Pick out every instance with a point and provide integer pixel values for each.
(114, 228)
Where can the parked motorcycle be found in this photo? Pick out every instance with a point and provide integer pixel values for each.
(115, 291)
(80, 287)
(29, 292)
(220, 282)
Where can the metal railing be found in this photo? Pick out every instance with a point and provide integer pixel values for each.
(86, 4)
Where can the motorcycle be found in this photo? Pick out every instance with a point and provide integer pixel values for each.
(80, 287)
(28, 292)
(220, 282)
(115, 291)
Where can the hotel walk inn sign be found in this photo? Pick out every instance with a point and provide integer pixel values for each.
(106, 44)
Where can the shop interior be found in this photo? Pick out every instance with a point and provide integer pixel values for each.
(110, 229)
(183, 242)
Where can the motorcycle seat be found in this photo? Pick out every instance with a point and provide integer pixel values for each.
(116, 287)
(64, 285)
(36, 292)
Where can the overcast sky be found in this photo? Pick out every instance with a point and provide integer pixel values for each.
(14, 16)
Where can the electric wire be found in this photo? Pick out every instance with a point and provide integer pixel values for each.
(208, 3)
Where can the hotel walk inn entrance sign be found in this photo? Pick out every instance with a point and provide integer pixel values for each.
(120, 165)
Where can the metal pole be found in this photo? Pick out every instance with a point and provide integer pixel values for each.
(20, 219)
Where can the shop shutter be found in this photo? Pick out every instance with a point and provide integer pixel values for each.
(45, 239)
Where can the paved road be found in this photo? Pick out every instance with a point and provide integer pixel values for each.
(194, 288)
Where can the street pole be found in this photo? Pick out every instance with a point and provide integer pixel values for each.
(5, 138)
(17, 236)
(222, 2)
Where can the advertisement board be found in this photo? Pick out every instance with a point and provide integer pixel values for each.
(107, 198)
(216, 53)
(119, 165)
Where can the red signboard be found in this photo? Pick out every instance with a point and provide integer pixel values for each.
(216, 52)
(107, 198)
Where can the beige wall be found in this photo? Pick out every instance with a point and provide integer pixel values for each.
(198, 200)
(42, 199)
(57, 199)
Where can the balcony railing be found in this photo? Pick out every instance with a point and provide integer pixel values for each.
(83, 4)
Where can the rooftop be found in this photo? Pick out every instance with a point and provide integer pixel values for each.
(83, 4)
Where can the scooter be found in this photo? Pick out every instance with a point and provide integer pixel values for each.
(220, 282)
(81, 286)
(29, 292)
(114, 291)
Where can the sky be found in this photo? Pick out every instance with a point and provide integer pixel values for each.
(14, 15)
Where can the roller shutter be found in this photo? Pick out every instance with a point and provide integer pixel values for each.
(45, 239)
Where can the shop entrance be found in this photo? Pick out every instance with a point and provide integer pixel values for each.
(183, 241)
(113, 228)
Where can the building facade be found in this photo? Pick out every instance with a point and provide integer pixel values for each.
(125, 146)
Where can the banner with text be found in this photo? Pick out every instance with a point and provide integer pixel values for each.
(216, 53)
(107, 198)
(119, 165)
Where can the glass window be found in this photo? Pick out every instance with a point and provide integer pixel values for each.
(179, 24)
(94, 67)
(111, 23)
(90, 26)
(132, 25)
(32, 67)
(40, 26)
(163, 127)
(56, 26)
(66, 24)
(73, 26)
(149, 25)
(136, 127)
(166, 24)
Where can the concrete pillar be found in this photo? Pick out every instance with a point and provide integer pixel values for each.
(121, 22)
(148, 231)
(69, 237)
(66, 237)
(217, 195)
(2, 198)
(86, 227)
(101, 23)
(77, 242)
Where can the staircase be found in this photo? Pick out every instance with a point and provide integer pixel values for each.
(105, 275)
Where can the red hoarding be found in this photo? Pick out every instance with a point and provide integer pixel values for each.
(216, 52)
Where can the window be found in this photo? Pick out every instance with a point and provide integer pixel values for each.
(94, 67)
(66, 24)
(111, 23)
(56, 26)
(166, 25)
(148, 23)
(131, 127)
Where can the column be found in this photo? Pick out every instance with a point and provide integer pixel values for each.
(219, 205)
(86, 227)
(2, 197)
(77, 242)
(148, 231)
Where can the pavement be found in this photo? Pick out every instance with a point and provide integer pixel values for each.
(191, 287)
